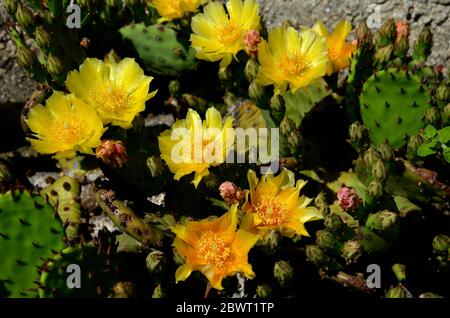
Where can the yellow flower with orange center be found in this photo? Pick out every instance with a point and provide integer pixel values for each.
(339, 51)
(193, 146)
(64, 126)
(175, 9)
(291, 59)
(218, 36)
(215, 248)
(274, 203)
(117, 91)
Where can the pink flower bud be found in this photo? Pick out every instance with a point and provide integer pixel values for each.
(112, 153)
(252, 39)
(231, 193)
(348, 199)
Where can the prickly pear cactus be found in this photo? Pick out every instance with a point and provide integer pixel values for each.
(393, 104)
(30, 233)
(159, 49)
(98, 272)
(62, 196)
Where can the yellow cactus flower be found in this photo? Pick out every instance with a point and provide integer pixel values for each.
(291, 58)
(174, 9)
(192, 146)
(273, 203)
(117, 91)
(64, 126)
(214, 248)
(219, 36)
(339, 52)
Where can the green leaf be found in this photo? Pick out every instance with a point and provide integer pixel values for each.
(444, 135)
(304, 100)
(446, 154)
(429, 132)
(426, 149)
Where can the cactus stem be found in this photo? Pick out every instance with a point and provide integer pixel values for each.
(377, 89)
(377, 124)
(392, 76)
(399, 120)
(387, 104)
(366, 105)
(3, 235)
(414, 104)
(402, 91)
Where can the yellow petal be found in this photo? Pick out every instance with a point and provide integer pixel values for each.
(182, 273)
(321, 29)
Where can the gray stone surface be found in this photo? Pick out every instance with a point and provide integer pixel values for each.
(16, 87)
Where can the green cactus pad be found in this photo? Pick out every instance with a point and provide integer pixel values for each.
(393, 104)
(29, 235)
(159, 49)
(98, 271)
(62, 196)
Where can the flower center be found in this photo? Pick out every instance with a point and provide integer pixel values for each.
(271, 212)
(70, 129)
(292, 64)
(110, 97)
(213, 249)
(230, 33)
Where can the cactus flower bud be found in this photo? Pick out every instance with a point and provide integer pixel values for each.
(277, 106)
(443, 93)
(154, 164)
(358, 133)
(348, 199)
(294, 140)
(413, 144)
(54, 65)
(383, 54)
(112, 153)
(42, 37)
(371, 156)
(364, 34)
(315, 255)
(159, 292)
(430, 295)
(386, 151)
(375, 189)
(382, 220)
(271, 241)
(379, 170)
(251, 69)
(231, 193)
(287, 126)
(441, 244)
(433, 116)
(284, 273)
(25, 57)
(399, 271)
(333, 222)
(251, 40)
(351, 251)
(325, 240)
(113, 3)
(255, 91)
(124, 290)
(24, 16)
(402, 29)
(263, 291)
(387, 34)
(174, 87)
(423, 45)
(155, 262)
